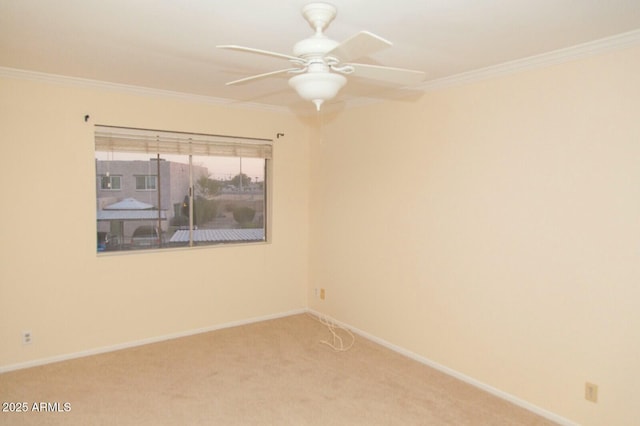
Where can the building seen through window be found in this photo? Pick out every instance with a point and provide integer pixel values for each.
(167, 199)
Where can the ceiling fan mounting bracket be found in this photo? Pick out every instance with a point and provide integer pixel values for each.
(344, 69)
(331, 61)
(319, 15)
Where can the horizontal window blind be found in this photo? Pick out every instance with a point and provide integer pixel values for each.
(108, 138)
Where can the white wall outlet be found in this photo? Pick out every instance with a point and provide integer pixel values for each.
(27, 337)
(591, 392)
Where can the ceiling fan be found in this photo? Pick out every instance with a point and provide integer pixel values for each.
(320, 64)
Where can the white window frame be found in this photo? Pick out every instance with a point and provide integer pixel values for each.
(112, 139)
(111, 180)
(146, 182)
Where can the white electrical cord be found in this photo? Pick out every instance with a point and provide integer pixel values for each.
(337, 344)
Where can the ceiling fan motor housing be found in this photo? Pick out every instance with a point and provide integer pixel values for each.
(314, 46)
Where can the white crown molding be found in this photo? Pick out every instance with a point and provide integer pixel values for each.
(604, 45)
(126, 88)
(600, 46)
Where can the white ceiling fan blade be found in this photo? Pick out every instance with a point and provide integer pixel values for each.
(261, 52)
(361, 44)
(267, 74)
(399, 76)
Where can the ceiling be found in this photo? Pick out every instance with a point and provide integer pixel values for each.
(171, 45)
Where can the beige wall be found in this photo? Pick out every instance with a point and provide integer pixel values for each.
(494, 228)
(51, 281)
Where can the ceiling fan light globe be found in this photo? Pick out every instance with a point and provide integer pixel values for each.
(317, 87)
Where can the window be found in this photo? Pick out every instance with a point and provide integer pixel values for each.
(146, 183)
(160, 189)
(110, 183)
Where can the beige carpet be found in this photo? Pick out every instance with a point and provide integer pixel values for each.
(270, 373)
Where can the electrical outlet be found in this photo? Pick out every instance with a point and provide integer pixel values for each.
(322, 294)
(27, 337)
(316, 291)
(591, 392)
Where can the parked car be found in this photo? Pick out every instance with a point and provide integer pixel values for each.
(146, 236)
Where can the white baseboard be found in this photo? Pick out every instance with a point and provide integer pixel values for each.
(105, 349)
(451, 372)
(470, 380)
